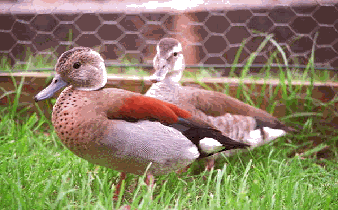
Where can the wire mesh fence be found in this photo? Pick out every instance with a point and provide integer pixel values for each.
(217, 38)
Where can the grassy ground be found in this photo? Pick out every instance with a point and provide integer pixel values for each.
(294, 172)
(46, 63)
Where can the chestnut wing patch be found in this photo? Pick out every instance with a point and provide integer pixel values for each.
(146, 108)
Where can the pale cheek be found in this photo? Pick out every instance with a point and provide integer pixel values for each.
(155, 61)
(179, 64)
(177, 48)
(104, 74)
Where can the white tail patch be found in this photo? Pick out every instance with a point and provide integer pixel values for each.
(210, 145)
(256, 139)
(273, 133)
(194, 152)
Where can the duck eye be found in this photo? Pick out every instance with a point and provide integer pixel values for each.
(175, 54)
(76, 65)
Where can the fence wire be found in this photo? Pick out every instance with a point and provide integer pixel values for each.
(214, 37)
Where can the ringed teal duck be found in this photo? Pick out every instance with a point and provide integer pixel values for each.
(123, 130)
(234, 118)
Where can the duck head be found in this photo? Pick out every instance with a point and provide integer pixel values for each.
(81, 67)
(169, 61)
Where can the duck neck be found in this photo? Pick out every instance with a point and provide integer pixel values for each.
(173, 77)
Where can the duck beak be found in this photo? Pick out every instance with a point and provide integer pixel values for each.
(161, 72)
(51, 89)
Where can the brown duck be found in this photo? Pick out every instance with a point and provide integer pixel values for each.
(122, 130)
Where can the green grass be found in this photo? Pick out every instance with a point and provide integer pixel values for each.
(295, 172)
(46, 62)
(37, 172)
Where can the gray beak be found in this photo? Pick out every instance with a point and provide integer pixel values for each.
(161, 72)
(51, 89)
